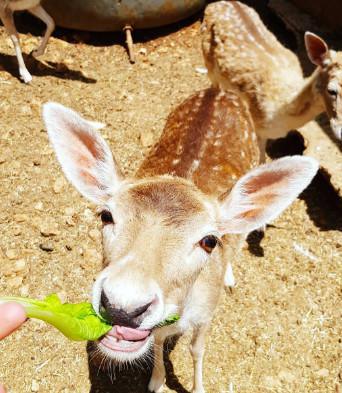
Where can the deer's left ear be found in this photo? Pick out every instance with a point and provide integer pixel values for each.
(317, 49)
(263, 193)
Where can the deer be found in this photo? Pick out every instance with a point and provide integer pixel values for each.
(169, 230)
(7, 8)
(242, 55)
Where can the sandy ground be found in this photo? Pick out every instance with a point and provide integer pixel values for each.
(280, 329)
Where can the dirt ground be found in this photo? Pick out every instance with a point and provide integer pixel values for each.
(280, 329)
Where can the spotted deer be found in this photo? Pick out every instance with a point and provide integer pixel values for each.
(242, 55)
(7, 8)
(169, 230)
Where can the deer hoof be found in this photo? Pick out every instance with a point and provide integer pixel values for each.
(25, 76)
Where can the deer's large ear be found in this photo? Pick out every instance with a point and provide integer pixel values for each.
(316, 49)
(83, 154)
(263, 193)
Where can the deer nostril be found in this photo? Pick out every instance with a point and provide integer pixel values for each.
(118, 316)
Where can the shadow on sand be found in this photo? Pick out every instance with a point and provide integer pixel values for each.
(106, 377)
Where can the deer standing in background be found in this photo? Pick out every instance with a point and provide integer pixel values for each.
(7, 7)
(169, 231)
(242, 55)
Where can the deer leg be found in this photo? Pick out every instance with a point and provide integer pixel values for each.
(262, 148)
(197, 352)
(229, 279)
(7, 19)
(158, 374)
(41, 14)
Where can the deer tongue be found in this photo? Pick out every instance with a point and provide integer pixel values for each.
(129, 334)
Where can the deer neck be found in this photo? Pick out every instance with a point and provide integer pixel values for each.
(304, 106)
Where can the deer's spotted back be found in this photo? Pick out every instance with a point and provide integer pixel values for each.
(209, 139)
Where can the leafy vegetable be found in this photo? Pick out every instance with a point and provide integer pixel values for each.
(169, 320)
(76, 321)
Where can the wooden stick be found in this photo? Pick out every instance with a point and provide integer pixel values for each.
(129, 41)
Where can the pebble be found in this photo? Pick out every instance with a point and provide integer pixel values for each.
(271, 382)
(286, 376)
(146, 138)
(59, 185)
(323, 372)
(34, 386)
(69, 211)
(17, 231)
(19, 265)
(46, 247)
(21, 217)
(48, 229)
(24, 290)
(11, 254)
(88, 215)
(14, 282)
(39, 206)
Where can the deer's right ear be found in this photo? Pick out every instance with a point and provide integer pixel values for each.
(316, 48)
(83, 154)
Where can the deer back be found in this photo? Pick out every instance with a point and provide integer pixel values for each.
(241, 54)
(209, 139)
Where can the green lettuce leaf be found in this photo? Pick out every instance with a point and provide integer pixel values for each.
(77, 322)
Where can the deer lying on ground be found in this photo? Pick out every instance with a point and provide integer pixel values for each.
(168, 232)
(243, 56)
(7, 7)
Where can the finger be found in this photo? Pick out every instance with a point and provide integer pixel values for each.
(12, 315)
(2, 389)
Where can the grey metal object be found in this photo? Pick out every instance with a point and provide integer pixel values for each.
(114, 15)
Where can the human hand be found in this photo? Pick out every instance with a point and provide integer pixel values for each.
(12, 315)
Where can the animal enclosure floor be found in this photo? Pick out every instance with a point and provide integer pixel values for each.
(280, 329)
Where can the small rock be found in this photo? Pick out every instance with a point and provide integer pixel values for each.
(46, 247)
(286, 376)
(48, 229)
(17, 231)
(59, 185)
(88, 215)
(2, 160)
(34, 386)
(21, 217)
(25, 110)
(201, 70)
(14, 282)
(39, 206)
(19, 265)
(24, 290)
(323, 372)
(94, 234)
(146, 138)
(11, 254)
(69, 211)
(271, 382)
(69, 221)
(143, 51)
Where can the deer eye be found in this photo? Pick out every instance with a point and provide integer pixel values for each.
(332, 91)
(208, 243)
(106, 217)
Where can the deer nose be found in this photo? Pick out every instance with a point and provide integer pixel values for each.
(119, 316)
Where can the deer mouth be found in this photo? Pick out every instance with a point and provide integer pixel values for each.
(125, 339)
